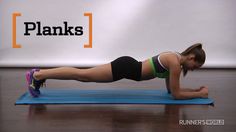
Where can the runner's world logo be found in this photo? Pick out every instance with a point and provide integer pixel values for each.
(39, 29)
(202, 122)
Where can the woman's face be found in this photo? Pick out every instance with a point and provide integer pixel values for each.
(191, 64)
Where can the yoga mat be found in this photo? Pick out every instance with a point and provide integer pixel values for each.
(105, 96)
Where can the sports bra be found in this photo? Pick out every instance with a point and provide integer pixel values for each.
(159, 70)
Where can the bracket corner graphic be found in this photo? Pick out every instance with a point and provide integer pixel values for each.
(16, 14)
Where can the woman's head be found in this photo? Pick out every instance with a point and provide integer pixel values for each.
(195, 57)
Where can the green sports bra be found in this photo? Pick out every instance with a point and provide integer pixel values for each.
(158, 69)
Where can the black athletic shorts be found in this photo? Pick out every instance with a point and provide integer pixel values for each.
(126, 67)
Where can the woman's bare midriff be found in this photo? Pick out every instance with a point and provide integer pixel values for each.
(147, 72)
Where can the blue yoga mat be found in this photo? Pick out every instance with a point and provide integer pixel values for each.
(105, 96)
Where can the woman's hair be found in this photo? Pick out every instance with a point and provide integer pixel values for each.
(198, 52)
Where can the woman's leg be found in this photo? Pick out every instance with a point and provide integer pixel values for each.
(102, 73)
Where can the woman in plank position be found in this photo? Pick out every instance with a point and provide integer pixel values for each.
(166, 65)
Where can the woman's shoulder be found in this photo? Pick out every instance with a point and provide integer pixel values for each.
(171, 55)
(171, 59)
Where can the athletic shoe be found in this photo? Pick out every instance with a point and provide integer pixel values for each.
(33, 84)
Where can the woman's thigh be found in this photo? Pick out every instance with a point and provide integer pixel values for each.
(102, 73)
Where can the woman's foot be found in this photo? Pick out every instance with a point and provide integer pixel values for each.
(33, 84)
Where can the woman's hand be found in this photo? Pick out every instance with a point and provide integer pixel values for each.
(204, 91)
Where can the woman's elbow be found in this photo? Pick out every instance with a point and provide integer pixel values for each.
(176, 95)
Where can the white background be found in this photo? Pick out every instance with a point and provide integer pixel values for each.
(139, 28)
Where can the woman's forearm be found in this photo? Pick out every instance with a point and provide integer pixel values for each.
(188, 90)
(188, 95)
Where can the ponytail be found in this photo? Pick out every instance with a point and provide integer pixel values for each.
(191, 48)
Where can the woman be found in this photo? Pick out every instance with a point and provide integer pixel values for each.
(166, 65)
